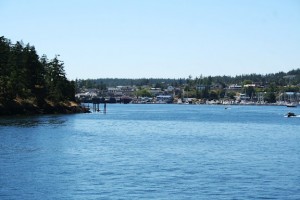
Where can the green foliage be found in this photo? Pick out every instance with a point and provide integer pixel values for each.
(246, 82)
(270, 97)
(272, 87)
(205, 93)
(213, 95)
(113, 82)
(250, 91)
(23, 74)
(161, 85)
(231, 95)
(143, 93)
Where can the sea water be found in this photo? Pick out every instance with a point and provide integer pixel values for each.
(153, 152)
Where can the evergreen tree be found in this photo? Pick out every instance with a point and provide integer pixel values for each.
(4, 67)
(56, 79)
(24, 75)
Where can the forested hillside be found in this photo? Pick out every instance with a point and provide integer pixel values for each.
(24, 74)
(26, 77)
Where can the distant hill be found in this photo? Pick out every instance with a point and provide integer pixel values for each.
(279, 79)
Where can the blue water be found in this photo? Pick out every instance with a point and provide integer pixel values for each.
(153, 152)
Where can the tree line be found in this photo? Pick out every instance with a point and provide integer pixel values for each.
(26, 75)
(278, 79)
(104, 83)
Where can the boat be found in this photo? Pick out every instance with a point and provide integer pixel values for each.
(291, 114)
(291, 105)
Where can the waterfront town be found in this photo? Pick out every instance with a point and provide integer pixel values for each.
(192, 92)
(45, 89)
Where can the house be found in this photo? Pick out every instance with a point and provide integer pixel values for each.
(243, 97)
(170, 88)
(113, 91)
(234, 87)
(250, 85)
(217, 86)
(126, 90)
(164, 99)
(86, 95)
(155, 91)
(201, 87)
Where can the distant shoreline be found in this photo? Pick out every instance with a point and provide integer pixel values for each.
(87, 104)
(23, 108)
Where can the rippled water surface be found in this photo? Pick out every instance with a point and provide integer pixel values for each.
(153, 152)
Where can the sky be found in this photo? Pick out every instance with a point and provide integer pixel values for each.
(158, 38)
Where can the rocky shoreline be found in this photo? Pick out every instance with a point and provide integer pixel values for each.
(25, 107)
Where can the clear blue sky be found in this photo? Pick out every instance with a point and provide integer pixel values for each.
(159, 38)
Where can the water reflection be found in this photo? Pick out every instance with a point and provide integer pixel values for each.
(32, 121)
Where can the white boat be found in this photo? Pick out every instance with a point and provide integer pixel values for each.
(293, 104)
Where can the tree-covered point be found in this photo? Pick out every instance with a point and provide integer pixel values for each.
(25, 75)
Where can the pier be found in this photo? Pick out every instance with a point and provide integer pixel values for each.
(96, 104)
